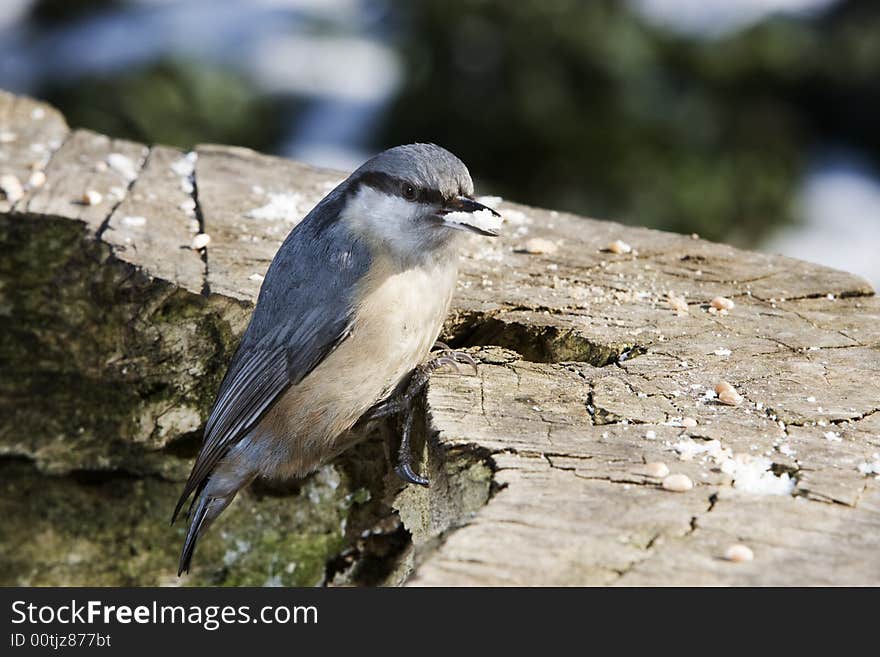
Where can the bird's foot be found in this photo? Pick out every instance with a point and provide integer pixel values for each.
(448, 356)
(403, 399)
(416, 385)
(403, 404)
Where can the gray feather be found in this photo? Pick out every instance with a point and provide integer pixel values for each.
(425, 165)
(304, 311)
(305, 308)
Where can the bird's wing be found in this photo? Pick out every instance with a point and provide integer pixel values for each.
(260, 373)
(304, 312)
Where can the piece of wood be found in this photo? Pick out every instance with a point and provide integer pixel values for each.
(598, 363)
(250, 202)
(30, 132)
(155, 224)
(87, 165)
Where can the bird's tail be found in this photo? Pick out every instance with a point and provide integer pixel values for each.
(206, 510)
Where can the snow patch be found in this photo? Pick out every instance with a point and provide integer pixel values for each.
(871, 467)
(753, 475)
(284, 206)
(185, 165)
(123, 165)
(687, 449)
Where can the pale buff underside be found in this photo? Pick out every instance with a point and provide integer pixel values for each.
(395, 326)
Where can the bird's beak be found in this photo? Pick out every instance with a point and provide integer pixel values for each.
(463, 213)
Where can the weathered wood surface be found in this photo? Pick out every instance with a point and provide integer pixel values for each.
(539, 464)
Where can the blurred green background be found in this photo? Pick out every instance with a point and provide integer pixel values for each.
(747, 121)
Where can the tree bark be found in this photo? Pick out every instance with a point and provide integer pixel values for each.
(597, 376)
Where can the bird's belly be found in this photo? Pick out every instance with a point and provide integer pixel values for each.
(394, 328)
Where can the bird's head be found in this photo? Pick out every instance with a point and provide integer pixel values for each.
(414, 199)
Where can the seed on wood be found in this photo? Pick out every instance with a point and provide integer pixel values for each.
(188, 206)
(11, 188)
(738, 553)
(619, 247)
(200, 241)
(727, 394)
(538, 245)
(36, 179)
(92, 197)
(678, 483)
(722, 303)
(658, 470)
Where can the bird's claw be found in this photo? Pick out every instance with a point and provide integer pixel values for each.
(405, 406)
(404, 451)
(405, 472)
(447, 360)
(452, 357)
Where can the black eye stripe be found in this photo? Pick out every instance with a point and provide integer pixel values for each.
(429, 196)
(394, 186)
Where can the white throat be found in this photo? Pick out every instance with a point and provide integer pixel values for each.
(398, 227)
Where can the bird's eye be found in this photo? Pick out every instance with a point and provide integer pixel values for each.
(409, 192)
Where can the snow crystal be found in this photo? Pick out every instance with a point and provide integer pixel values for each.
(283, 206)
(185, 165)
(516, 218)
(123, 165)
(134, 221)
(871, 467)
(753, 475)
(687, 449)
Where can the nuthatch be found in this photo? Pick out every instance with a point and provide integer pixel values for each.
(350, 307)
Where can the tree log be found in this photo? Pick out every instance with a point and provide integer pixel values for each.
(598, 369)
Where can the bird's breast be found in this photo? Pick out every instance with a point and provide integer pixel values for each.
(397, 320)
(398, 316)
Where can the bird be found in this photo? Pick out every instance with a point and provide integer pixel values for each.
(348, 312)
